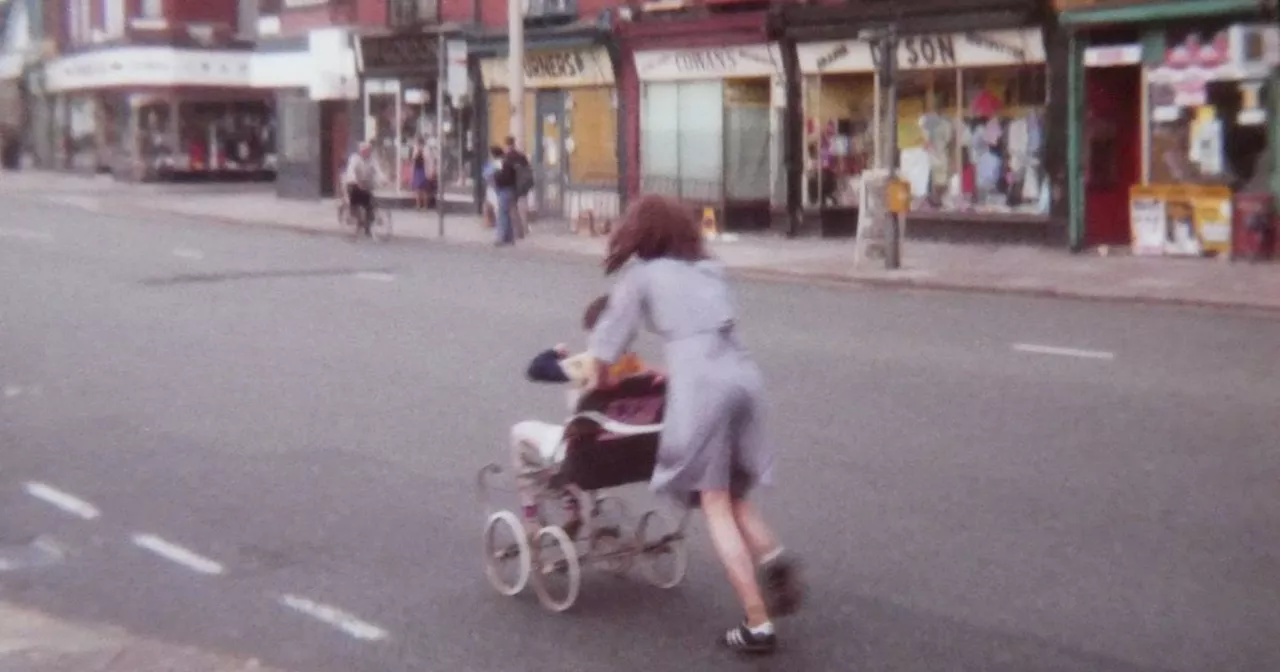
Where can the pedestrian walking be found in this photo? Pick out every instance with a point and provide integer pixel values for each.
(504, 185)
(713, 450)
(488, 173)
(522, 185)
(420, 183)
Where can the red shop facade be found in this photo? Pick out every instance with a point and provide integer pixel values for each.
(701, 107)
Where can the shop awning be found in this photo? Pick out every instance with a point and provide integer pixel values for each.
(1162, 10)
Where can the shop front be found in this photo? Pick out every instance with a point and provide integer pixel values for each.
(159, 113)
(571, 127)
(1173, 142)
(970, 122)
(401, 102)
(973, 121)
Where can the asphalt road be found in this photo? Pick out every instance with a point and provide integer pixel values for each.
(309, 415)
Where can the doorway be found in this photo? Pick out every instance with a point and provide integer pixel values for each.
(1112, 151)
(550, 160)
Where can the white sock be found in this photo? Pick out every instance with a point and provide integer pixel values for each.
(771, 556)
(763, 629)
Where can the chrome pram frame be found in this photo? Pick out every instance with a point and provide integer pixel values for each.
(600, 455)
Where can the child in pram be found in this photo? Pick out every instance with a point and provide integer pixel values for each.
(536, 445)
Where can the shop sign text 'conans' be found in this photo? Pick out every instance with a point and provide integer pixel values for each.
(715, 63)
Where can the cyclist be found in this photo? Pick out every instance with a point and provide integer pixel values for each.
(361, 176)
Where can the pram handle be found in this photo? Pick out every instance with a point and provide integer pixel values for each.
(613, 426)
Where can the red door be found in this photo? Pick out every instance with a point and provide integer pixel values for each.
(1112, 145)
(339, 130)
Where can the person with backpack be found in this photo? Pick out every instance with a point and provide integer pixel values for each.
(516, 175)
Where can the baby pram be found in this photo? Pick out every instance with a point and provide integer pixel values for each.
(610, 442)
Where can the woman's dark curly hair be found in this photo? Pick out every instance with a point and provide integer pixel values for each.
(655, 227)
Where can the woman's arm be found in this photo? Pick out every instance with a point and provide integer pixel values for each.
(618, 324)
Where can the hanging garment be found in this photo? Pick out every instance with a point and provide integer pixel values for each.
(992, 132)
(1206, 148)
(1017, 144)
(989, 169)
(916, 169)
(978, 144)
(1035, 134)
(1031, 186)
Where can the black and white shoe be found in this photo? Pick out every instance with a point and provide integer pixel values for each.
(743, 639)
(780, 582)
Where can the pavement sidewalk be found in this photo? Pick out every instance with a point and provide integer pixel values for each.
(979, 268)
(34, 642)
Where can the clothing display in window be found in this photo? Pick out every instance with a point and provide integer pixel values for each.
(1206, 145)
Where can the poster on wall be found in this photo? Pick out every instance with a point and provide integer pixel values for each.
(873, 217)
(1211, 211)
(1147, 217)
(1180, 220)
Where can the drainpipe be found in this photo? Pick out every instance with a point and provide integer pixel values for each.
(792, 135)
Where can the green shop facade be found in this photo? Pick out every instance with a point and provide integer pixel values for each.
(1173, 113)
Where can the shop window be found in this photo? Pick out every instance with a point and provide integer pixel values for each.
(155, 135)
(80, 133)
(459, 151)
(232, 136)
(594, 163)
(973, 140)
(682, 131)
(1222, 142)
(839, 137)
(747, 140)
(659, 138)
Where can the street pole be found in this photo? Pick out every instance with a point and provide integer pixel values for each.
(442, 68)
(515, 69)
(892, 234)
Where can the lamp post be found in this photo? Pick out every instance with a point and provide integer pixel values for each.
(889, 65)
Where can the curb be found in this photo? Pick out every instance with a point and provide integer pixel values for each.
(781, 275)
(767, 274)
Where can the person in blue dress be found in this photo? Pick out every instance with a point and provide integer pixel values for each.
(713, 449)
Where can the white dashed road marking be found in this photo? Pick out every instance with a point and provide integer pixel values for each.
(65, 501)
(27, 234)
(186, 253)
(376, 277)
(11, 391)
(335, 617)
(177, 554)
(1062, 352)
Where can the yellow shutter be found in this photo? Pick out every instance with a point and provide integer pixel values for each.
(594, 162)
(499, 117)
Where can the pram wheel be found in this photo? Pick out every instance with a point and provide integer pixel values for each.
(663, 558)
(507, 559)
(556, 572)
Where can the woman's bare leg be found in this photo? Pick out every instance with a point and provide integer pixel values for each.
(759, 538)
(734, 554)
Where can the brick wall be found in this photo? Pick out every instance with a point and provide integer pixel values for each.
(371, 12)
(202, 11)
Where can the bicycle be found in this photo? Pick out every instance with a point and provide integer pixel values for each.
(378, 229)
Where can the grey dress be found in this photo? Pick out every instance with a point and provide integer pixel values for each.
(713, 435)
